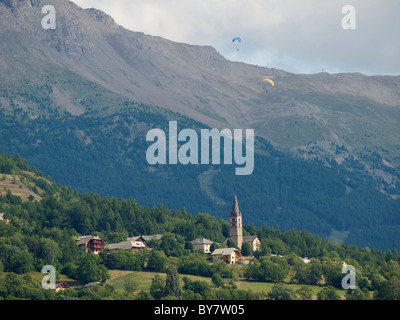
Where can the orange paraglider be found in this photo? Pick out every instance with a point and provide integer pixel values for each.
(270, 81)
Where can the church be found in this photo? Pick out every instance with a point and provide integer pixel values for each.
(235, 228)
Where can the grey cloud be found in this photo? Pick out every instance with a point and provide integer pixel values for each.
(297, 36)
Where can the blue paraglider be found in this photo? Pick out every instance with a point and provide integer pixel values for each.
(238, 40)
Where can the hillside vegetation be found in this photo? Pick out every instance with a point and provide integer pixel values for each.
(44, 232)
(105, 153)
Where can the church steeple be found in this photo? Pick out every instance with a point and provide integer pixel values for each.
(235, 227)
(235, 208)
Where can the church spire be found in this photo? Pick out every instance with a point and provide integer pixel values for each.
(235, 207)
(235, 227)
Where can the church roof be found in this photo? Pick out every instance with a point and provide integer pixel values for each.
(249, 238)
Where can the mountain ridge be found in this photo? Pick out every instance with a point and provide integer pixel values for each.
(308, 115)
(78, 100)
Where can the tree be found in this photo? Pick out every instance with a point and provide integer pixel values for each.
(282, 292)
(376, 281)
(213, 246)
(217, 280)
(328, 293)
(388, 290)
(144, 295)
(89, 269)
(315, 269)
(308, 273)
(195, 264)
(157, 288)
(274, 270)
(172, 285)
(253, 270)
(304, 293)
(223, 269)
(333, 274)
(15, 259)
(197, 287)
(231, 243)
(157, 261)
(189, 246)
(171, 246)
(130, 285)
(48, 250)
(247, 250)
(22, 287)
(357, 294)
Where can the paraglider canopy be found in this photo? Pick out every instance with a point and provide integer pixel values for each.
(270, 81)
(238, 41)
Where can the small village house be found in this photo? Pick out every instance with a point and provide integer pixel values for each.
(202, 243)
(61, 286)
(90, 285)
(133, 244)
(152, 236)
(4, 219)
(91, 243)
(229, 255)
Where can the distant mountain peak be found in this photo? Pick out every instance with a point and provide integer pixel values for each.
(101, 16)
(348, 118)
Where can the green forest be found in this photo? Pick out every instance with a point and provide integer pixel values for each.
(104, 153)
(44, 232)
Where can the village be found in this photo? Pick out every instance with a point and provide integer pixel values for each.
(231, 251)
(229, 255)
(217, 251)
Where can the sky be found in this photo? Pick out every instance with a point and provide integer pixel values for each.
(300, 36)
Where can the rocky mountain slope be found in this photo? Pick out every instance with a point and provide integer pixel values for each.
(350, 119)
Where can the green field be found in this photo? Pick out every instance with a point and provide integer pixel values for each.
(19, 186)
(143, 279)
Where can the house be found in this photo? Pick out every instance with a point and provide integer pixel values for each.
(202, 243)
(243, 260)
(254, 242)
(61, 286)
(133, 244)
(91, 243)
(3, 218)
(90, 285)
(305, 260)
(138, 243)
(153, 236)
(229, 255)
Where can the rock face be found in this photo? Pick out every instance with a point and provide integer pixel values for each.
(351, 119)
